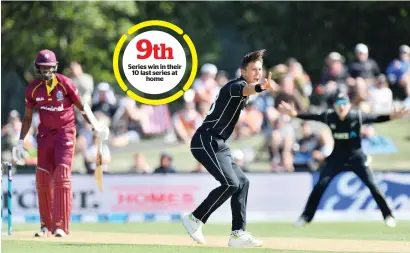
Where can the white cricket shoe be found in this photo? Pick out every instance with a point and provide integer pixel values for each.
(243, 239)
(44, 232)
(60, 233)
(390, 222)
(194, 228)
(300, 222)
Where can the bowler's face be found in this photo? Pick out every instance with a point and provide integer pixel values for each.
(253, 72)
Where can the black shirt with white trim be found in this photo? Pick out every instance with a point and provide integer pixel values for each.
(225, 110)
(346, 133)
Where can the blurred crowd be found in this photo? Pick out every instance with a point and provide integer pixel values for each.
(290, 145)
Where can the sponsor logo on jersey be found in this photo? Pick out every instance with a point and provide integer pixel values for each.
(53, 108)
(60, 95)
(40, 99)
(341, 136)
(353, 134)
(332, 126)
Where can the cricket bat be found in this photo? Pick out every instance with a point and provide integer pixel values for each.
(98, 173)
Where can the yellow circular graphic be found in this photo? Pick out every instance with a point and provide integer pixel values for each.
(186, 86)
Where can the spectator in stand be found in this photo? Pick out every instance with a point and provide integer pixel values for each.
(204, 109)
(302, 80)
(10, 134)
(165, 166)
(127, 122)
(85, 84)
(140, 165)
(360, 93)
(84, 141)
(334, 76)
(83, 81)
(249, 123)
(335, 70)
(381, 97)
(289, 94)
(313, 148)
(205, 86)
(104, 102)
(280, 141)
(187, 120)
(91, 156)
(398, 73)
(364, 66)
(363, 72)
(222, 78)
(199, 168)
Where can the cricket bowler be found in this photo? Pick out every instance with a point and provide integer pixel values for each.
(54, 96)
(209, 147)
(347, 155)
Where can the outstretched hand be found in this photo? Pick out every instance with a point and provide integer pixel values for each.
(399, 113)
(288, 109)
(268, 83)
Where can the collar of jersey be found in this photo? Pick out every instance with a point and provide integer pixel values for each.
(54, 83)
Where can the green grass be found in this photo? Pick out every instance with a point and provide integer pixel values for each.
(122, 158)
(399, 132)
(29, 247)
(339, 230)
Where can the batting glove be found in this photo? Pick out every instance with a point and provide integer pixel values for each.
(103, 132)
(19, 153)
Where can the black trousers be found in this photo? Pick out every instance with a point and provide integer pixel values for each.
(215, 155)
(333, 166)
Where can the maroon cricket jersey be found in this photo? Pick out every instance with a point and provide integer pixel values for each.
(55, 104)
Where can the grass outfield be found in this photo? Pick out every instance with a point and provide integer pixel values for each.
(122, 158)
(171, 237)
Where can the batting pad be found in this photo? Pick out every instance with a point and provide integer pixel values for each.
(45, 197)
(62, 198)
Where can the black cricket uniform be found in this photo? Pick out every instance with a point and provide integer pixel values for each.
(347, 155)
(209, 148)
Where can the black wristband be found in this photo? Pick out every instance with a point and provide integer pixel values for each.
(258, 88)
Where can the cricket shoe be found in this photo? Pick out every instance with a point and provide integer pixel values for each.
(300, 222)
(243, 239)
(60, 233)
(44, 232)
(194, 228)
(390, 221)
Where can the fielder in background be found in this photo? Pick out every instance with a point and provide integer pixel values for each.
(54, 96)
(347, 154)
(209, 147)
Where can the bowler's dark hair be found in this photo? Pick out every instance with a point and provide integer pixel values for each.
(252, 57)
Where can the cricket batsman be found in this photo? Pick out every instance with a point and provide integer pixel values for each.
(54, 96)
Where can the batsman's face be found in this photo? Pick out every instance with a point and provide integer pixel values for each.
(253, 72)
(46, 71)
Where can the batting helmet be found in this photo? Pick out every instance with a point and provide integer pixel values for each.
(45, 64)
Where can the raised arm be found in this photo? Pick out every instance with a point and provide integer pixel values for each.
(289, 109)
(250, 89)
(398, 113)
(309, 116)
